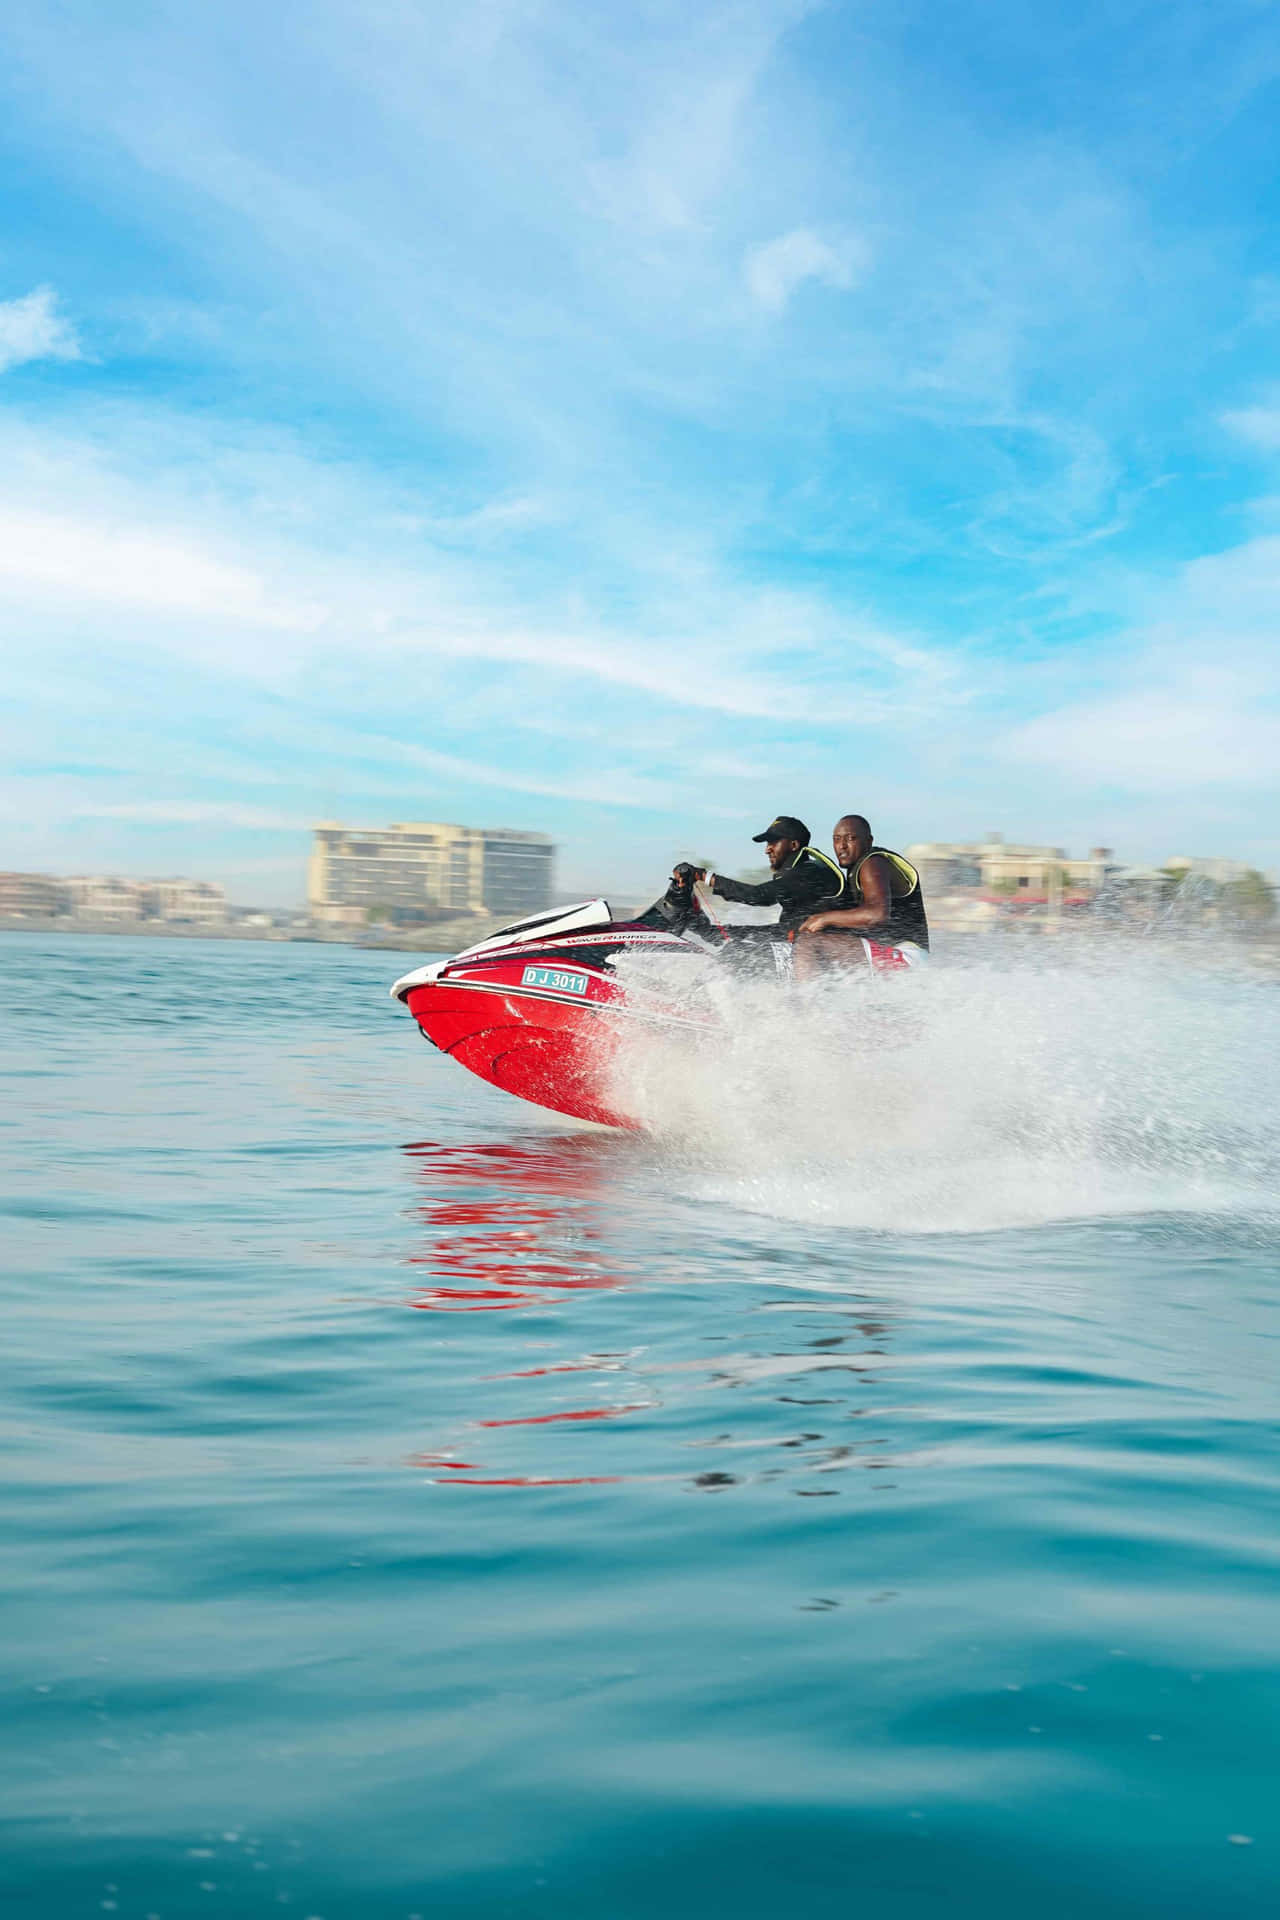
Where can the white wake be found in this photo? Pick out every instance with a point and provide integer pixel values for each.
(1009, 1087)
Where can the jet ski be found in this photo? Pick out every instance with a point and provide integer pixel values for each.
(539, 1009)
(542, 1008)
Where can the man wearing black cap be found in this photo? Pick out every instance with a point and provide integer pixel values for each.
(804, 880)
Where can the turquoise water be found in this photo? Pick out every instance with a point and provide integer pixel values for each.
(413, 1506)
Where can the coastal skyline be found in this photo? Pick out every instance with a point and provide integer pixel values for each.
(626, 428)
(994, 865)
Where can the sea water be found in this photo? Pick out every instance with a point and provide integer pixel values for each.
(857, 1495)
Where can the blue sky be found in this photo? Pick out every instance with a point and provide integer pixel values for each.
(631, 422)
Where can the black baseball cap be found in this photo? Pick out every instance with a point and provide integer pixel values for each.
(785, 827)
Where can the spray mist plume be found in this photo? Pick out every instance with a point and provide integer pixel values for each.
(1011, 1085)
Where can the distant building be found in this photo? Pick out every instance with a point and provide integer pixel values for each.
(1220, 872)
(516, 871)
(31, 896)
(1138, 887)
(423, 869)
(193, 903)
(995, 865)
(97, 896)
(104, 897)
(944, 865)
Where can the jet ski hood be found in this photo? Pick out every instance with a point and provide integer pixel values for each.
(538, 1009)
(588, 915)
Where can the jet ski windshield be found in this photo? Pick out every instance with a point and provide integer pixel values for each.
(586, 917)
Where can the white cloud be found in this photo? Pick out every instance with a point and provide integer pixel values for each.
(85, 560)
(1260, 426)
(1187, 730)
(32, 329)
(617, 788)
(1192, 705)
(176, 813)
(774, 271)
(243, 554)
(612, 789)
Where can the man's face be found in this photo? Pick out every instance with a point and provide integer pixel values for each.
(780, 852)
(847, 843)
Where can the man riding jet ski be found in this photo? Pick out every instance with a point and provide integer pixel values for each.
(540, 1008)
(881, 906)
(803, 879)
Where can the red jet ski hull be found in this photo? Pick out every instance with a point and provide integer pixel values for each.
(555, 1055)
(539, 1012)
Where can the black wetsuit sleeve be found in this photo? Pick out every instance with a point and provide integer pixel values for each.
(766, 893)
(792, 889)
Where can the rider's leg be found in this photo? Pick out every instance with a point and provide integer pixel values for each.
(833, 951)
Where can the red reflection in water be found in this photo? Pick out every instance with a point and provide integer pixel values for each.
(563, 1366)
(579, 1413)
(566, 1164)
(497, 1280)
(535, 1480)
(508, 1228)
(521, 1259)
(469, 1474)
(536, 1227)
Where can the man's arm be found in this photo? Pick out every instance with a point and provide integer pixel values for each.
(795, 889)
(772, 892)
(877, 901)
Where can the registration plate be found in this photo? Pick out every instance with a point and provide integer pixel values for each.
(555, 979)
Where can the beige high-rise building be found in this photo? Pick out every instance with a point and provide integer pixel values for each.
(424, 868)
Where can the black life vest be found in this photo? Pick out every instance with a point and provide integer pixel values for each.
(906, 914)
(814, 856)
(823, 889)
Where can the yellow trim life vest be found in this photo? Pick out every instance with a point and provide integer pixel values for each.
(902, 867)
(827, 861)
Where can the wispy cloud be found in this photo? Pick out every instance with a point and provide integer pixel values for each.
(187, 548)
(31, 328)
(774, 270)
(1190, 728)
(127, 566)
(180, 813)
(1191, 703)
(1259, 425)
(619, 788)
